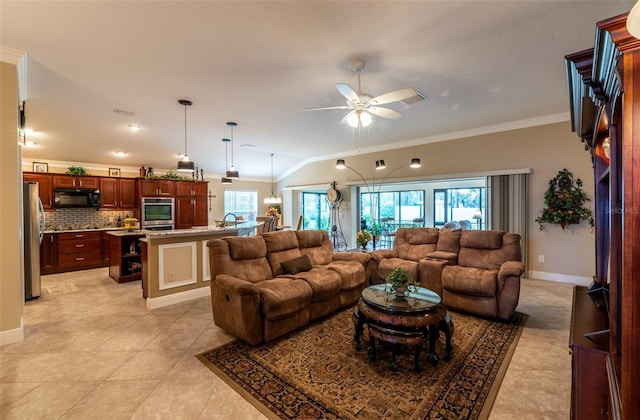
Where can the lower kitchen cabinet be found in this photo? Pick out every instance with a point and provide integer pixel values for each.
(71, 251)
(49, 253)
(125, 257)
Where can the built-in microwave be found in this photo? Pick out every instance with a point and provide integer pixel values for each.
(157, 213)
(75, 198)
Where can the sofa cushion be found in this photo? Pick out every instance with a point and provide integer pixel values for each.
(283, 296)
(415, 243)
(481, 239)
(351, 273)
(315, 244)
(246, 248)
(254, 270)
(280, 240)
(470, 281)
(296, 265)
(449, 240)
(324, 283)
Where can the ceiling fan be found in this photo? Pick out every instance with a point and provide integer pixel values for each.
(363, 105)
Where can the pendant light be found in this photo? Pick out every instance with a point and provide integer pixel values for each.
(185, 165)
(232, 173)
(272, 199)
(224, 179)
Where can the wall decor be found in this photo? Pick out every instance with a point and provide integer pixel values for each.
(114, 171)
(40, 167)
(564, 202)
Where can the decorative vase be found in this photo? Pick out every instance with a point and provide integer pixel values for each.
(401, 291)
(364, 246)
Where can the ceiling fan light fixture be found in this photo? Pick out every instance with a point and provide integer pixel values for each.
(415, 163)
(184, 165)
(359, 118)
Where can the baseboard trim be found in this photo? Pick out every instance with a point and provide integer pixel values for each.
(11, 336)
(561, 278)
(187, 295)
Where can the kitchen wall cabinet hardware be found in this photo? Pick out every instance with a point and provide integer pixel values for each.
(70, 181)
(45, 187)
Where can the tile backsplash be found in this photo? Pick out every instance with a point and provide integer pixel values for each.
(84, 218)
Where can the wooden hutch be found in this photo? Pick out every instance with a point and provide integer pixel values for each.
(604, 94)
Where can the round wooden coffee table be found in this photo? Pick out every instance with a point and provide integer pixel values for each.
(402, 322)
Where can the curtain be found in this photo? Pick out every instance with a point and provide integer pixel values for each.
(509, 207)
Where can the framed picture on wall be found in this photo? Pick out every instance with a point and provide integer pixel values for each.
(40, 167)
(114, 171)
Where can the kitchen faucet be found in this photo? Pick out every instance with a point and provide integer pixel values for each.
(235, 219)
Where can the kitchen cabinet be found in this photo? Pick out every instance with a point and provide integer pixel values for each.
(126, 257)
(79, 250)
(157, 188)
(45, 187)
(190, 188)
(191, 204)
(49, 253)
(71, 181)
(118, 193)
(191, 211)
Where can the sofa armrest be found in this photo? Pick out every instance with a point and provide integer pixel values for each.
(511, 268)
(361, 257)
(451, 257)
(236, 308)
(508, 292)
(430, 273)
(381, 254)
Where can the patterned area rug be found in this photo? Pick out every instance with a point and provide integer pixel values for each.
(316, 373)
(57, 290)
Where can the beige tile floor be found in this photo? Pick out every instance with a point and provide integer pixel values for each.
(97, 353)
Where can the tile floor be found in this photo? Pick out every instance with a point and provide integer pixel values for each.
(95, 352)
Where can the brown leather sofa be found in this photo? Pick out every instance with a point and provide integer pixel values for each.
(267, 285)
(476, 271)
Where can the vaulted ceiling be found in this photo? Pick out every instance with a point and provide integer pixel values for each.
(484, 65)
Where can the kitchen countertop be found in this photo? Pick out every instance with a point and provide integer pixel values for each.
(204, 230)
(82, 230)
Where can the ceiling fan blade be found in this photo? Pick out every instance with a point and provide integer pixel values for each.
(347, 92)
(396, 95)
(384, 112)
(327, 107)
(346, 117)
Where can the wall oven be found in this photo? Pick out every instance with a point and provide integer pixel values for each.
(157, 213)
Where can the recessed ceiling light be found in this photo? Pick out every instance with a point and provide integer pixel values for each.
(134, 127)
(120, 154)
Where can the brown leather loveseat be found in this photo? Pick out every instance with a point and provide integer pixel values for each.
(476, 271)
(267, 285)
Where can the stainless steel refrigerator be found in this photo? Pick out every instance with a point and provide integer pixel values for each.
(32, 233)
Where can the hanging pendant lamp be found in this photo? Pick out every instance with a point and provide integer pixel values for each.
(231, 172)
(224, 179)
(272, 199)
(185, 165)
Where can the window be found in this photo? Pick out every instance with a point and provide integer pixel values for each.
(455, 204)
(241, 203)
(401, 206)
(315, 211)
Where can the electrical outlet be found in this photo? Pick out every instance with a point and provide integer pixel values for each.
(540, 258)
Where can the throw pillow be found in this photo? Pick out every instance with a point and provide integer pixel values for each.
(296, 265)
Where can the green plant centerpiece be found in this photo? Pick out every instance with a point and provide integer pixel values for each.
(76, 170)
(401, 282)
(564, 201)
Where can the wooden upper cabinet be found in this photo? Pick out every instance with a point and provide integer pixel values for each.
(45, 187)
(191, 188)
(70, 181)
(157, 188)
(118, 193)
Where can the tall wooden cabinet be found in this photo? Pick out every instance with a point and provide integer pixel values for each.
(191, 204)
(604, 97)
(45, 187)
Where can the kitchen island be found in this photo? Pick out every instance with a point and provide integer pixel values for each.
(175, 263)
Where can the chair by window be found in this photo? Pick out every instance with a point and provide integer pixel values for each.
(418, 222)
(388, 233)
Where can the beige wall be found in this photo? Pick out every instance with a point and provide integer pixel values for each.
(11, 291)
(545, 149)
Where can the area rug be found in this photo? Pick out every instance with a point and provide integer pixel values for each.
(57, 290)
(316, 373)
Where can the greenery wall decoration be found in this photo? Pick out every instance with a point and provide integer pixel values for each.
(564, 201)
(76, 170)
